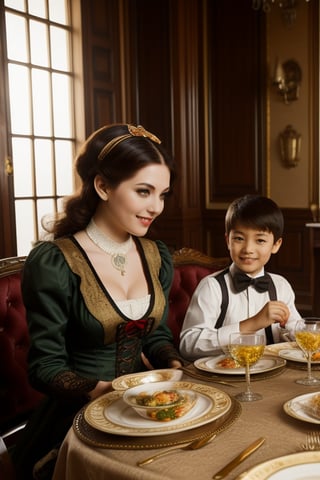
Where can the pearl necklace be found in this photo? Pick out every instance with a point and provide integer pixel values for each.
(118, 251)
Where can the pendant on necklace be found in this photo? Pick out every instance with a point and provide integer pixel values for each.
(119, 261)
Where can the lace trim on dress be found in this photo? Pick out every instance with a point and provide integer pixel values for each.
(71, 384)
(134, 308)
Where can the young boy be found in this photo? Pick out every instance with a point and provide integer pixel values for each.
(234, 300)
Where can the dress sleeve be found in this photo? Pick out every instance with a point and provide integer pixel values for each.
(47, 289)
(158, 346)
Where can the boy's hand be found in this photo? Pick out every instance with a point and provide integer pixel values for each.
(272, 312)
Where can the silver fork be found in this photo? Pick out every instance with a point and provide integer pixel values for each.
(312, 441)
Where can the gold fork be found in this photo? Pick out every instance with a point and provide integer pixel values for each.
(312, 441)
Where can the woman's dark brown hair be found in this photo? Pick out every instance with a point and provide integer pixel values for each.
(128, 155)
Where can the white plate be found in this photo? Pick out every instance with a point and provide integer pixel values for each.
(274, 348)
(295, 355)
(109, 413)
(265, 364)
(297, 466)
(295, 408)
(134, 379)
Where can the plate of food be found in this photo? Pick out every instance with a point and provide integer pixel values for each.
(297, 355)
(304, 407)
(140, 378)
(296, 466)
(110, 413)
(227, 366)
(274, 348)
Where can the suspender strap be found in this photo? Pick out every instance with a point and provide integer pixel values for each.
(225, 298)
(273, 296)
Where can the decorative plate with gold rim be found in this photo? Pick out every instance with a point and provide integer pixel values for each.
(134, 379)
(265, 364)
(295, 355)
(298, 407)
(110, 414)
(297, 466)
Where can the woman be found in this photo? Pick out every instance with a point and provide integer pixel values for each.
(97, 295)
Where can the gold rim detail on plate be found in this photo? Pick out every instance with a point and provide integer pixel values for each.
(270, 363)
(95, 438)
(296, 355)
(266, 469)
(295, 408)
(134, 379)
(96, 413)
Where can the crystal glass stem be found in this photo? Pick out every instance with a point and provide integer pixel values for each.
(248, 383)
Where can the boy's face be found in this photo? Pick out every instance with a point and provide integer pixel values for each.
(251, 249)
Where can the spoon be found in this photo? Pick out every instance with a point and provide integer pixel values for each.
(194, 445)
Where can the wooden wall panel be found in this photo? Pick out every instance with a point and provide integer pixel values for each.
(235, 45)
(102, 62)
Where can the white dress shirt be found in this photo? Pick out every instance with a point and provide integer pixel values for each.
(200, 338)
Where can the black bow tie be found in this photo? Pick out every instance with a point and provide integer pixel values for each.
(241, 281)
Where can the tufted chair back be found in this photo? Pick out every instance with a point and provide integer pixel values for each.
(190, 267)
(17, 398)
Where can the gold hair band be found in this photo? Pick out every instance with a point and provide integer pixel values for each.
(138, 131)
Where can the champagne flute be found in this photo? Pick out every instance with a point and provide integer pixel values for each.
(246, 349)
(307, 333)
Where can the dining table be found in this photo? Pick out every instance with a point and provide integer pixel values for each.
(89, 454)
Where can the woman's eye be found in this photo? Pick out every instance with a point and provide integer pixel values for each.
(144, 192)
(165, 195)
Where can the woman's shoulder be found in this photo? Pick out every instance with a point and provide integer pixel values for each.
(45, 253)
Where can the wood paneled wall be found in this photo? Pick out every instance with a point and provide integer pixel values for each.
(193, 72)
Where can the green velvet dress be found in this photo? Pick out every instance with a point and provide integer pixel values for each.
(79, 336)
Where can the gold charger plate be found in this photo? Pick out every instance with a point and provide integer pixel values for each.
(194, 372)
(109, 413)
(297, 466)
(95, 438)
(265, 364)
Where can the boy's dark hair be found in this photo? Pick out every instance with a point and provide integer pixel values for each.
(256, 212)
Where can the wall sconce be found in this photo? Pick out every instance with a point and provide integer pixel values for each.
(290, 145)
(287, 79)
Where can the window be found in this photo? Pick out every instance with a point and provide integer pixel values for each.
(40, 111)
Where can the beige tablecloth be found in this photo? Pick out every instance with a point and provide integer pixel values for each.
(284, 434)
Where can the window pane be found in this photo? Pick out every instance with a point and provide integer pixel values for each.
(17, 43)
(59, 49)
(25, 225)
(16, 4)
(46, 208)
(44, 167)
(39, 43)
(19, 87)
(22, 167)
(61, 105)
(37, 8)
(41, 102)
(58, 11)
(64, 172)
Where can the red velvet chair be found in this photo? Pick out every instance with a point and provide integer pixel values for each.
(17, 398)
(190, 266)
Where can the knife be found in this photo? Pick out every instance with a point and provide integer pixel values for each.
(238, 459)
